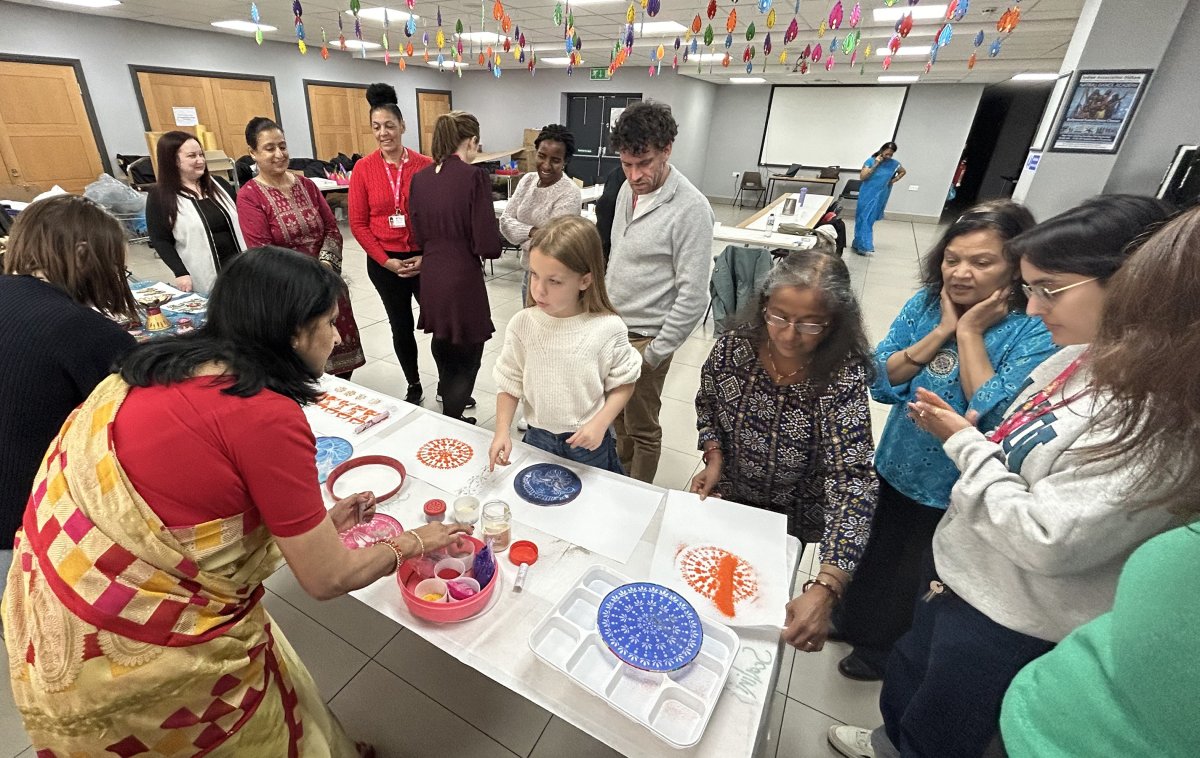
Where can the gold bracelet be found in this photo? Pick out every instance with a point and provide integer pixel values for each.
(420, 542)
(821, 582)
(397, 551)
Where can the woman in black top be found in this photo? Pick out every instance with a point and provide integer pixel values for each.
(63, 284)
(190, 215)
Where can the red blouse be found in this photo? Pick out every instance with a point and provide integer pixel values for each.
(195, 455)
(372, 201)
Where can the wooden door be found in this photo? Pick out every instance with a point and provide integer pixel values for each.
(223, 105)
(340, 120)
(430, 105)
(46, 137)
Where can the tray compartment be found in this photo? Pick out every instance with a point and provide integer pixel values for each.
(555, 640)
(701, 676)
(635, 691)
(580, 609)
(592, 664)
(679, 716)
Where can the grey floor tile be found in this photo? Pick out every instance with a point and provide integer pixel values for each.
(768, 747)
(682, 382)
(786, 658)
(675, 469)
(349, 618)
(678, 420)
(804, 733)
(817, 683)
(561, 740)
(490, 707)
(386, 377)
(380, 708)
(376, 339)
(693, 352)
(13, 739)
(331, 660)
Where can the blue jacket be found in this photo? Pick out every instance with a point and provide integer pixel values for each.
(912, 460)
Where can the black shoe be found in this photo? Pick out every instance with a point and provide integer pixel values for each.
(415, 394)
(470, 401)
(469, 419)
(854, 667)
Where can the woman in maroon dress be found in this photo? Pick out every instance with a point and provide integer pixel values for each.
(454, 225)
(280, 208)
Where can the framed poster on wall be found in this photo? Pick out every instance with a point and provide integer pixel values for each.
(1099, 110)
(1050, 112)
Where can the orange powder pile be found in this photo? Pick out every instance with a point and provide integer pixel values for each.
(723, 598)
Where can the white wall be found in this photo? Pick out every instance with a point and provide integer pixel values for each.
(107, 47)
(931, 135)
(518, 101)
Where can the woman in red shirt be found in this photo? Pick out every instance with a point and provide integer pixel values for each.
(380, 221)
(163, 504)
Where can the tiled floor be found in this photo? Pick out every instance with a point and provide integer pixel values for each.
(362, 660)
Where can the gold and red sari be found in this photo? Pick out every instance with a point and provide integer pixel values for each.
(128, 637)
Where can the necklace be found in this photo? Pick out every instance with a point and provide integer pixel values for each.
(771, 364)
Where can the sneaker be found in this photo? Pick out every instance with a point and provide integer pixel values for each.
(415, 394)
(851, 741)
(522, 424)
(470, 401)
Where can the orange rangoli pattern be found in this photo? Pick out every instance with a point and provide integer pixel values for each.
(719, 575)
(444, 453)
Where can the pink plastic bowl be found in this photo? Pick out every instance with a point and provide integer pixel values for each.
(442, 612)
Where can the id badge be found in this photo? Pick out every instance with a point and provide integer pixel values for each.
(397, 221)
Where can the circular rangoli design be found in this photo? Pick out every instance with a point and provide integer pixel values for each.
(444, 453)
(719, 575)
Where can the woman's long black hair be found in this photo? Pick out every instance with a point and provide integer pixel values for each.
(261, 300)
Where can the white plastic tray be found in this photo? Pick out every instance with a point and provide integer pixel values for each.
(674, 706)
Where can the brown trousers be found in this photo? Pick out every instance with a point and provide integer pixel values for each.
(639, 435)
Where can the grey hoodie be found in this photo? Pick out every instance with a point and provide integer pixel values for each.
(658, 272)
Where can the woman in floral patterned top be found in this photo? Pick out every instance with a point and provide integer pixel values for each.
(784, 423)
(279, 208)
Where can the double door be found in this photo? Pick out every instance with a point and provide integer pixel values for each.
(223, 104)
(591, 118)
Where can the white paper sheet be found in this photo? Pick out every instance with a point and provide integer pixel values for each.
(608, 517)
(440, 451)
(347, 406)
(689, 551)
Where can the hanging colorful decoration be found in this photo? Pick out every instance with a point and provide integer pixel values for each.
(979, 38)
(867, 52)
(887, 62)
(792, 32)
(440, 39)
(855, 15)
(853, 56)
(783, 57)
(630, 14)
(341, 34)
(971, 61)
(1009, 20)
(324, 45)
(731, 21)
(410, 26)
(728, 41)
(822, 28)
(712, 9)
(354, 8)
(889, 3)
(829, 63)
(750, 31)
(708, 35)
(944, 35)
(816, 53)
(725, 61)
(951, 9)
(960, 10)
(256, 19)
(807, 52)
(851, 42)
(771, 19)
(299, 12)
(408, 49)
(767, 46)
(933, 52)
(994, 50)
(835, 15)
(558, 14)
(833, 44)
(746, 55)
(652, 9)
(387, 51)
(905, 25)
(894, 43)
(803, 67)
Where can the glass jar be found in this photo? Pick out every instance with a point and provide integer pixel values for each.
(497, 524)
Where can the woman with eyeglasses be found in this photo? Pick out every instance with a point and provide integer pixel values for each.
(965, 338)
(784, 423)
(1040, 521)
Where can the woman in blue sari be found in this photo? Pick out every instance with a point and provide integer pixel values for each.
(878, 175)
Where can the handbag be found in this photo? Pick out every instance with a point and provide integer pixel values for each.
(830, 172)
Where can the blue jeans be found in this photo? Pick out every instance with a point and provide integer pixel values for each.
(947, 676)
(604, 457)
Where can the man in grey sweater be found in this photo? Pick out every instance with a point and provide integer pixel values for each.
(658, 271)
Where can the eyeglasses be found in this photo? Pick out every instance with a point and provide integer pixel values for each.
(779, 322)
(1047, 296)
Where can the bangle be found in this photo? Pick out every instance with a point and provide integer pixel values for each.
(420, 542)
(714, 449)
(396, 550)
(821, 582)
(841, 587)
(909, 358)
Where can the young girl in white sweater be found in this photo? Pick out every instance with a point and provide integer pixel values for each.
(566, 356)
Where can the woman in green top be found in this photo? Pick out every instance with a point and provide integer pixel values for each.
(1128, 682)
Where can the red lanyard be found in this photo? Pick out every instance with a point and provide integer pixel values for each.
(1026, 412)
(396, 183)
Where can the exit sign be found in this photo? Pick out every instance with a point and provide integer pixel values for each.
(600, 74)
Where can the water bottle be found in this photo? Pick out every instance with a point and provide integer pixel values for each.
(803, 194)
(770, 225)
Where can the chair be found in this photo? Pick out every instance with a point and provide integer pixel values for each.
(850, 191)
(751, 182)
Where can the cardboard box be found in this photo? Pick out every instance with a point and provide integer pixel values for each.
(530, 136)
(24, 193)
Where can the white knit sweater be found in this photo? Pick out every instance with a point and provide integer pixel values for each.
(533, 206)
(561, 368)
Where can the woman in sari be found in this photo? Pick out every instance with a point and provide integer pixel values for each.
(132, 616)
(280, 208)
(878, 175)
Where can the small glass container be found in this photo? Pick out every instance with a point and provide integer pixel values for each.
(435, 510)
(497, 524)
(466, 510)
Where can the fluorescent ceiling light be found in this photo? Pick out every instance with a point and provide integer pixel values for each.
(898, 78)
(913, 50)
(707, 58)
(354, 44)
(238, 25)
(660, 28)
(1035, 77)
(448, 64)
(376, 14)
(919, 12)
(554, 61)
(747, 80)
(487, 38)
(89, 3)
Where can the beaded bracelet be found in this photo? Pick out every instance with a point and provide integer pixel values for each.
(420, 542)
(396, 550)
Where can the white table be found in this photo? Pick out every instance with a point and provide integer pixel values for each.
(496, 644)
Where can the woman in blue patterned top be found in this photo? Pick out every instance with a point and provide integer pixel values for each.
(964, 336)
(785, 425)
